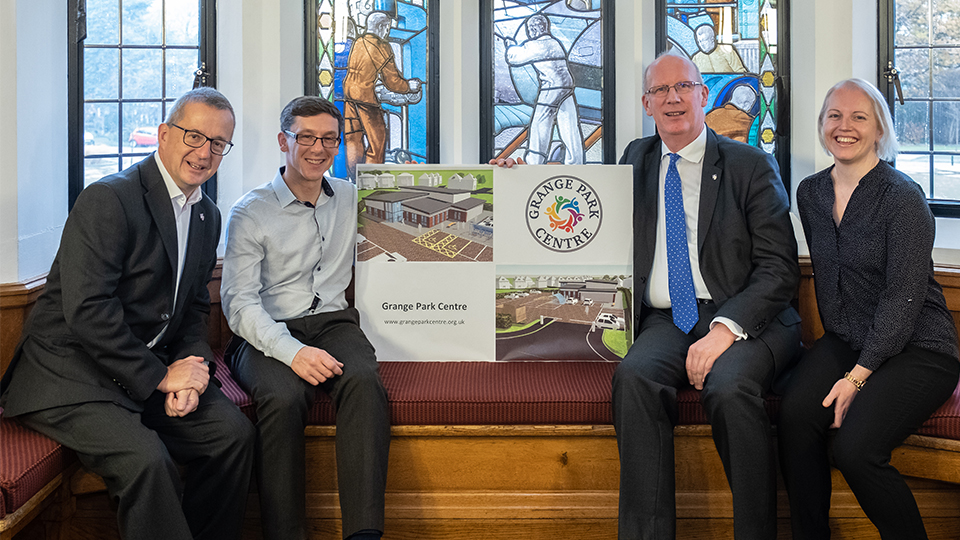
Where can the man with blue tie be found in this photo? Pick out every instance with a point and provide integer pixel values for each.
(716, 258)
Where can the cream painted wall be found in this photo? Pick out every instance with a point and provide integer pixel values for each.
(33, 175)
(9, 250)
(260, 59)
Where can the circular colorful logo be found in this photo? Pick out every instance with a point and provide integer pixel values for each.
(564, 213)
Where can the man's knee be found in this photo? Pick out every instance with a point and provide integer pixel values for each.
(362, 377)
(140, 467)
(240, 434)
(729, 392)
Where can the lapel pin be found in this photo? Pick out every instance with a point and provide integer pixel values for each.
(201, 213)
(714, 177)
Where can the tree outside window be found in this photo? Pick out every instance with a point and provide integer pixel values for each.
(920, 63)
(132, 59)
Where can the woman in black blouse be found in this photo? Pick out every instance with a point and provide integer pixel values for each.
(889, 357)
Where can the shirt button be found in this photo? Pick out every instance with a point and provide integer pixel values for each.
(165, 316)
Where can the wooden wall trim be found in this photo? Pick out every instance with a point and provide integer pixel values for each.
(22, 294)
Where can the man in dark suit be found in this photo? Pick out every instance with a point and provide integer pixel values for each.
(716, 261)
(114, 359)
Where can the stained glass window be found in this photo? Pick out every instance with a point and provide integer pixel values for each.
(735, 45)
(377, 60)
(546, 80)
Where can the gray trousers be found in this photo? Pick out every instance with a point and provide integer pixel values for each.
(137, 455)
(645, 412)
(283, 400)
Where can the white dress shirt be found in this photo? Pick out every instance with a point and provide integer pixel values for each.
(690, 167)
(285, 260)
(182, 208)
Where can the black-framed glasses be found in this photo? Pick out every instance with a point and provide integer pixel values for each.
(310, 140)
(682, 87)
(195, 139)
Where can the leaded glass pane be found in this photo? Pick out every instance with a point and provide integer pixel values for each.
(734, 43)
(914, 66)
(911, 22)
(548, 98)
(127, 84)
(373, 62)
(912, 120)
(926, 48)
(946, 169)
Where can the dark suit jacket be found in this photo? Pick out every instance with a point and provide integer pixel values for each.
(110, 292)
(747, 248)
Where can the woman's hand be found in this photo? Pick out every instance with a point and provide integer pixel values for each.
(842, 394)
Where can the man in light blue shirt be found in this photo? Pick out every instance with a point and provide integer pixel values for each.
(289, 259)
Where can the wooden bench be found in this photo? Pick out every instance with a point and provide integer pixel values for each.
(498, 450)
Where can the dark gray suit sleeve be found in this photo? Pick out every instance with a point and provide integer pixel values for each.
(93, 256)
(774, 272)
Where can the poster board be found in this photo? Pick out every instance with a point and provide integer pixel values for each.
(488, 264)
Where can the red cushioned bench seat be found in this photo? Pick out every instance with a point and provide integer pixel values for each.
(424, 393)
(28, 462)
(945, 423)
(477, 393)
(518, 393)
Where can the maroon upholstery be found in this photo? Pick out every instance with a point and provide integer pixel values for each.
(28, 462)
(230, 387)
(491, 393)
(424, 393)
(498, 392)
(945, 423)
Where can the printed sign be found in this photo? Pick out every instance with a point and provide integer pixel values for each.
(482, 263)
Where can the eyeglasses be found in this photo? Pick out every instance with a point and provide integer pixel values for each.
(310, 140)
(682, 87)
(195, 139)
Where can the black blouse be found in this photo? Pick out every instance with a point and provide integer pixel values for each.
(874, 272)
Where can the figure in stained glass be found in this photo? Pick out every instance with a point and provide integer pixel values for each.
(376, 60)
(547, 91)
(733, 43)
(556, 102)
(715, 57)
(372, 78)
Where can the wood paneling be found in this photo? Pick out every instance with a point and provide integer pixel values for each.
(531, 482)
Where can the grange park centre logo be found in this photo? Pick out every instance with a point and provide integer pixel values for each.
(564, 213)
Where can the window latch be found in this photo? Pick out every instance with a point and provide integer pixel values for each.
(893, 76)
(200, 75)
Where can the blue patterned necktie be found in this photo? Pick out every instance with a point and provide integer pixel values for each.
(683, 298)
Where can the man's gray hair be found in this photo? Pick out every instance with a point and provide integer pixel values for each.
(672, 52)
(887, 146)
(204, 94)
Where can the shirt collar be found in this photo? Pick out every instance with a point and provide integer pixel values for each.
(286, 197)
(692, 152)
(176, 194)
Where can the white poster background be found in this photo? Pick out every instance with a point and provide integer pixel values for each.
(612, 244)
(450, 309)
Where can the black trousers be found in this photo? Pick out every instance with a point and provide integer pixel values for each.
(363, 426)
(137, 455)
(897, 399)
(645, 412)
